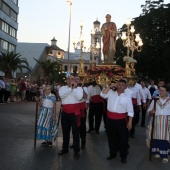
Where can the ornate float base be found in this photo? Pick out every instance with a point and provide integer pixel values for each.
(105, 74)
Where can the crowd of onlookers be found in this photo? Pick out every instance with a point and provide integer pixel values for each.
(17, 90)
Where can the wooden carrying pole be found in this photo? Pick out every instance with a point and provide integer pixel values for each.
(36, 116)
(152, 130)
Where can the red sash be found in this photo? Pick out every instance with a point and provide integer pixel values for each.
(97, 99)
(116, 116)
(134, 101)
(72, 108)
(82, 109)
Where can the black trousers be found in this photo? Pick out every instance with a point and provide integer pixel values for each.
(68, 121)
(95, 110)
(6, 95)
(135, 119)
(117, 133)
(2, 93)
(82, 129)
(105, 113)
(143, 116)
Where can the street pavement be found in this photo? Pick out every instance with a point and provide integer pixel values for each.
(17, 152)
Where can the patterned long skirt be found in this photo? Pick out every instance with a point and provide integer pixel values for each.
(161, 136)
(46, 128)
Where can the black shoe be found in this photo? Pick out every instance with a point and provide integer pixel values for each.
(89, 131)
(62, 152)
(111, 156)
(76, 155)
(83, 147)
(123, 161)
(44, 143)
(71, 146)
(49, 143)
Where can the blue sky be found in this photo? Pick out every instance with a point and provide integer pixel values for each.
(41, 20)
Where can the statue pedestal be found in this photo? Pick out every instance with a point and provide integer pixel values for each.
(105, 73)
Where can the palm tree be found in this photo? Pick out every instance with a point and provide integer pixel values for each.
(10, 62)
(49, 68)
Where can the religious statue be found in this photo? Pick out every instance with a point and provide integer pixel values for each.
(109, 33)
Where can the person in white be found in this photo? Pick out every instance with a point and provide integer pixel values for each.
(96, 107)
(148, 100)
(70, 96)
(161, 130)
(119, 106)
(136, 100)
(83, 112)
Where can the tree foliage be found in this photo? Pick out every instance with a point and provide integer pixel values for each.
(10, 62)
(154, 28)
(51, 70)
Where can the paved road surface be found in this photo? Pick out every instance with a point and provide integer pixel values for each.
(17, 150)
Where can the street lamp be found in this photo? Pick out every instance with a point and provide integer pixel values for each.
(132, 43)
(80, 45)
(70, 3)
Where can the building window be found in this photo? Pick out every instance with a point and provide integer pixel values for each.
(5, 27)
(11, 48)
(5, 8)
(4, 45)
(12, 32)
(13, 15)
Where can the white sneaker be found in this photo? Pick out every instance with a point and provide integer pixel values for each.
(157, 156)
(165, 160)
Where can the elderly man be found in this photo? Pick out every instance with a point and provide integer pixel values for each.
(109, 33)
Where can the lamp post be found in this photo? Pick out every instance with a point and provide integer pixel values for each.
(80, 45)
(70, 3)
(132, 44)
(94, 48)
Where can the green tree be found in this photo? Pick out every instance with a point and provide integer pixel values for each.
(10, 62)
(153, 25)
(51, 70)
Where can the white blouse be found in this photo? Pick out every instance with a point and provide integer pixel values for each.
(47, 102)
(162, 106)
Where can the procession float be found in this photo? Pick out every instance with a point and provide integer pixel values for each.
(108, 71)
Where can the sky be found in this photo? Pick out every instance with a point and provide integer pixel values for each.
(41, 20)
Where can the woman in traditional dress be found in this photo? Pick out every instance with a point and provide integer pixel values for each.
(161, 130)
(47, 117)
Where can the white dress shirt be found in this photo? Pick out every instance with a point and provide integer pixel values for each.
(118, 103)
(164, 110)
(69, 95)
(86, 91)
(147, 93)
(92, 91)
(135, 94)
(139, 87)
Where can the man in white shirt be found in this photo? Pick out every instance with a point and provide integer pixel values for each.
(70, 96)
(136, 101)
(83, 112)
(148, 99)
(96, 107)
(119, 106)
